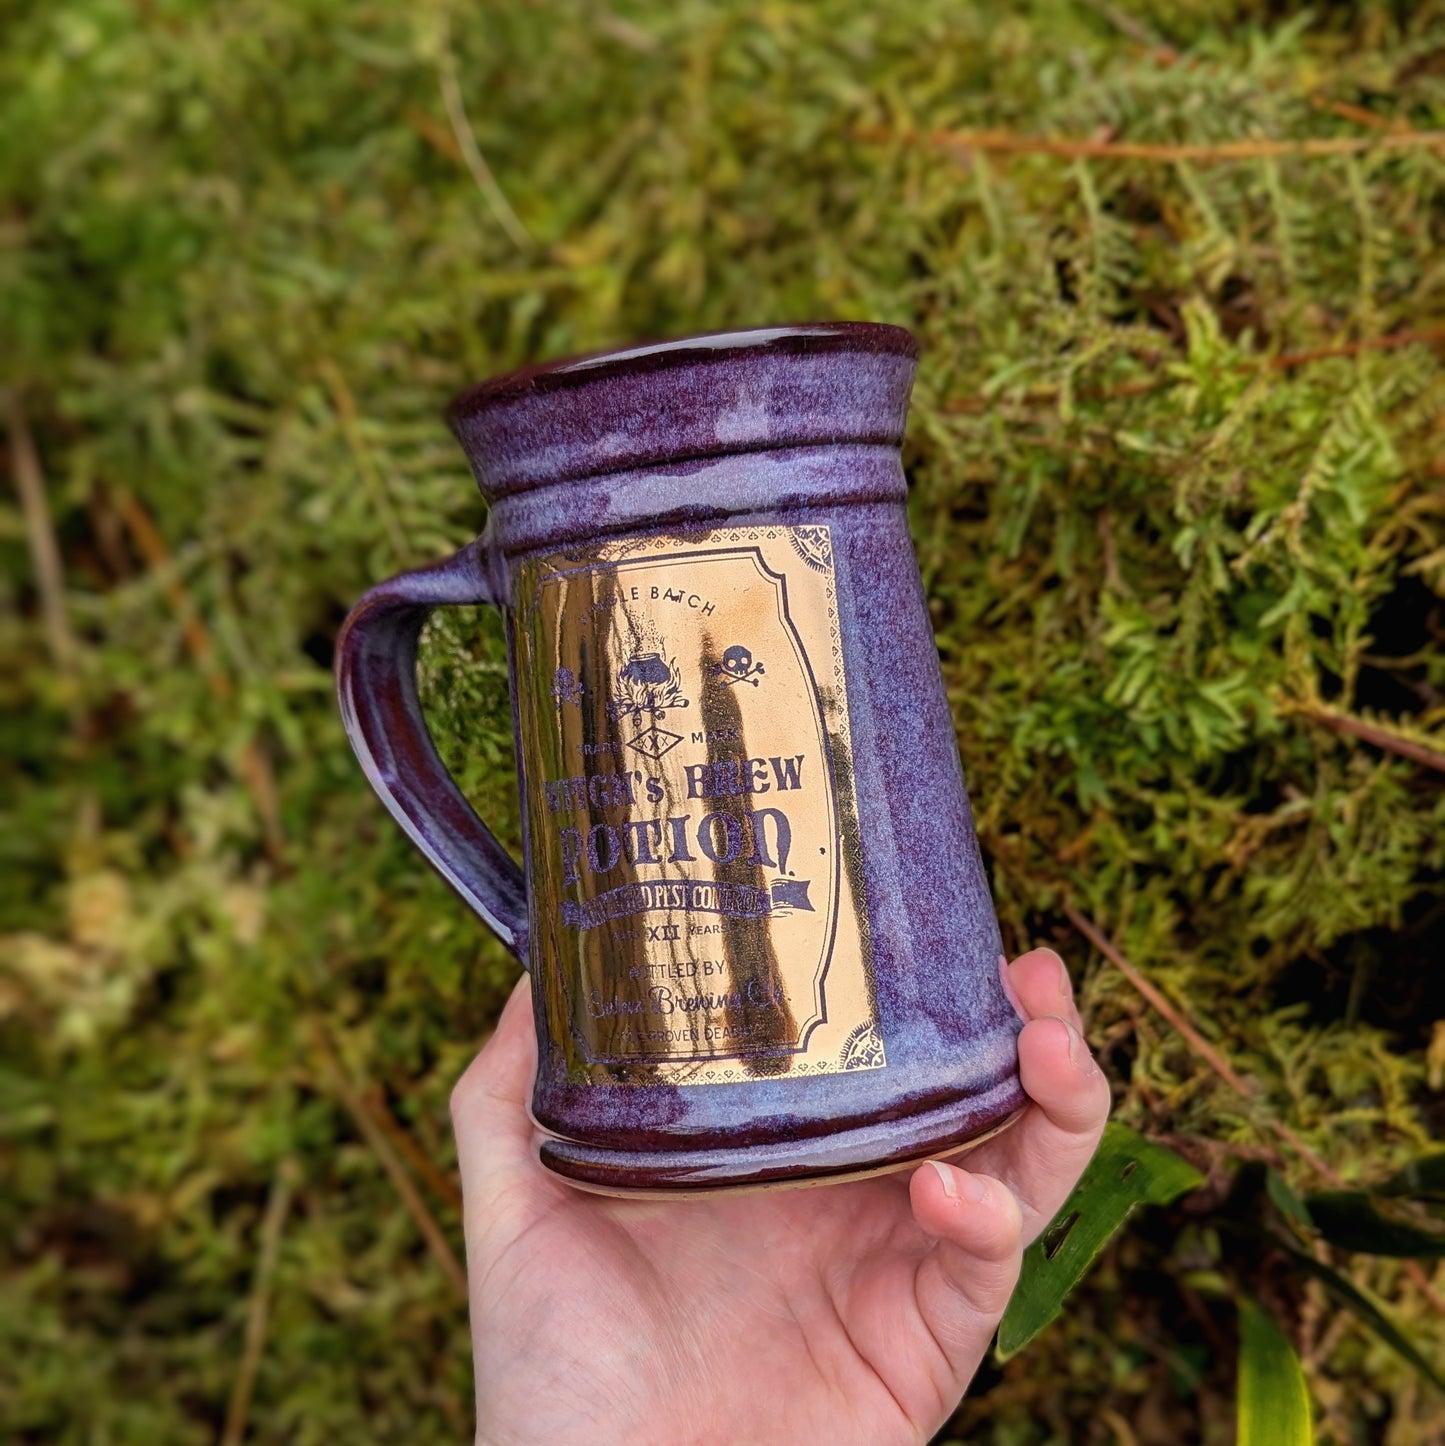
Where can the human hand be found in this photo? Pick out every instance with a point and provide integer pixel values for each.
(855, 1312)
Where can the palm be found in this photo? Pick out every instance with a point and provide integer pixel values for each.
(863, 1307)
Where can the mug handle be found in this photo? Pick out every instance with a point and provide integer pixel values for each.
(376, 686)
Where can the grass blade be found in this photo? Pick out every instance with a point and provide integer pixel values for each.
(1274, 1406)
(1354, 1220)
(1347, 1293)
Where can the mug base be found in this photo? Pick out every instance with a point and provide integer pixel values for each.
(856, 1154)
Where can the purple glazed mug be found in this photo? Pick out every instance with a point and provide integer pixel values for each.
(761, 942)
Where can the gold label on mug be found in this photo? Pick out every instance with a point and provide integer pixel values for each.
(697, 895)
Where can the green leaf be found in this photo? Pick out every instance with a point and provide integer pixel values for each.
(1355, 1220)
(1285, 1200)
(1128, 1170)
(1422, 1179)
(1348, 1294)
(1274, 1406)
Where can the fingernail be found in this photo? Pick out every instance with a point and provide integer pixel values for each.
(1062, 982)
(945, 1178)
(959, 1184)
(1066, 984)
(1008, 987)
(1079, 1056)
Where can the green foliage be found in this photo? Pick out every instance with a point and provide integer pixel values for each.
(1356, 1220)
(1274, 1406)
(1127, 1171)
(1345, 1292)
(1293, 1232)
(1177, 508)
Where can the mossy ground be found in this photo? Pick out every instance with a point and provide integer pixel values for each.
(1176, 489)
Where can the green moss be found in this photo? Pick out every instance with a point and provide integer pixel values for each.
(242, 268)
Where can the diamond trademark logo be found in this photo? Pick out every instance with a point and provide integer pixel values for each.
(655, 741)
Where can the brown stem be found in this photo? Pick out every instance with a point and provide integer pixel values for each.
(252, 763)
(350, 1099)
(1372, 733)
(157, 555)
(347, 414)
(1135, 29)
(1425, 336)
(39, 533)
(1150, 992)
(472, 155)
(431, 131)
(258, 1312)
(1359, 115)
(109, 535)
(442, 1185)
(1081, 148)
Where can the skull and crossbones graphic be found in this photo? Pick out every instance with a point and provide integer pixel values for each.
(737, 666)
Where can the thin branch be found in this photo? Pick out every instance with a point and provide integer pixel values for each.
(344, 401)
(109, 533)
(258, 1313)
(1375, 735)
(1082, 148)
(476, 162)
(442, 1185)
(1152, 994)
(1135, 30)
(433, 132)
(348, 1096)
(634, 37)
(39, 533)
(157, 555)
(1427, 336)
(252, 763)
(1359, 115)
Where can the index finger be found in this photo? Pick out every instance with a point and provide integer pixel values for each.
(1041, 1158)
(489, 1102)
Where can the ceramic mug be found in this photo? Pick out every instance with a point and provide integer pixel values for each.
(761, 942)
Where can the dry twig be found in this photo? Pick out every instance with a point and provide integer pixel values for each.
(351, 1100)
(258, 1313)
(1215, 153)
(1359, 115)
(442, 1185)
(153, 549)
(436, 135)
(1135, 29)
(39, 533)
(344, 401)
(476, 162)
(1150, 992)
(252, 763)
(1374, 734)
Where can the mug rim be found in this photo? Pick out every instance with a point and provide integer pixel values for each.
(791, 338)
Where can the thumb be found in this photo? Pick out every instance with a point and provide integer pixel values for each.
(489, 1106)
(964, 1282)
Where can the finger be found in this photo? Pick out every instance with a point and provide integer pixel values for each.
(1043, 1155)
(489, 1102)
(964, 1282)
(1039, 984)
